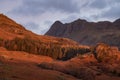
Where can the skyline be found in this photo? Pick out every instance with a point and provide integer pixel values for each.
(39, 15)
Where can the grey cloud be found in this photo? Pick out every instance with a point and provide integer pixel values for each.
(64, 10)
(32, 26)
(70, 18)
(109, 9)
(36, 28)
(113, 12)
(48, 22)
(32, 7)
(98, 4)
(114, 1)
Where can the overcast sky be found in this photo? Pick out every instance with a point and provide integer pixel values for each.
(39, 15)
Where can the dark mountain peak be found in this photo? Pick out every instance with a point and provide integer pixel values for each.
(80, 20)
(57, 23)
(55, 28)
(117, 21)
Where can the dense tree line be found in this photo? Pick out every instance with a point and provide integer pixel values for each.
(55, 51)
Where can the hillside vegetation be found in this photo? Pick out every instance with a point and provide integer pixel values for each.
(15, 37)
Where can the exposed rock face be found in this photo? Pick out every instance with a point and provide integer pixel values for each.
(105, 53)
(88, 33)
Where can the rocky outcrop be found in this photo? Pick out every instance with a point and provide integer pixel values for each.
(88, 33)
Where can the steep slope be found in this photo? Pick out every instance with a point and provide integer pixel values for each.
(88, 33)
(15, 37)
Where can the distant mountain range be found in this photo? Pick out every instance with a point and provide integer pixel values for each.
(88, 33)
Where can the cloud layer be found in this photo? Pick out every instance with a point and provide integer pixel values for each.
(39, 15)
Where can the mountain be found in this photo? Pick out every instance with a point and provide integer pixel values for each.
(88, 33)
(15, 37)
(28, 56)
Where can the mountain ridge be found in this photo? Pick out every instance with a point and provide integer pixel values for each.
(88, 33)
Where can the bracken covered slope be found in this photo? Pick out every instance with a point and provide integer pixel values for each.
(19, 65)
(88, 33)
(15, 37)
(101, 63)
